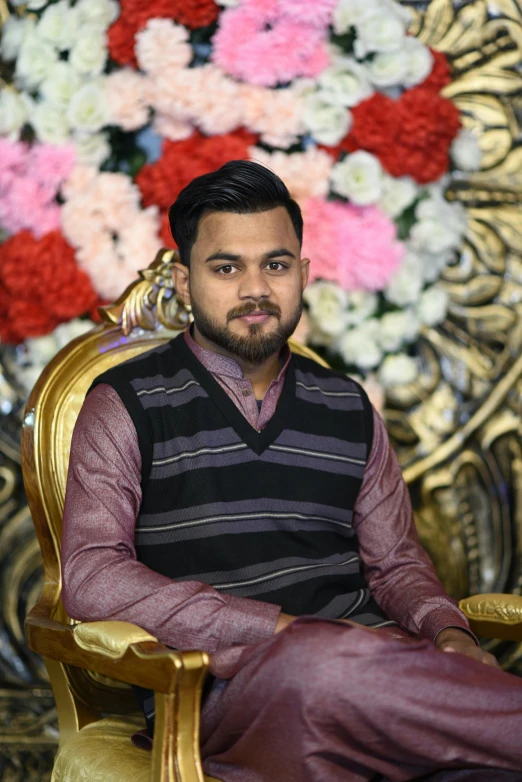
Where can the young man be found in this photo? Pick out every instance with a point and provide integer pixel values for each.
(229, 496)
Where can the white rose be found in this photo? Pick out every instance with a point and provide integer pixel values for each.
(35, 5)
(88, 111)
(361, 304)
(92, 150)
(99, 12)
(433, 237)
(397, 328)
(437, 208)
(381, 32)
(397, 370)
(89, 54)
(14, 32)
(358, 177)
(465, 151)
(13, 113)
(405, 284)
(432, 306)
(49, 123)
(388, 69)
(344, 83)
(40, 350)
(327, 302)
(35, 59)
(350, 13)
(359, 346)
(228, 3)
(60, 85)
(420, 61)
(433, 264)
(59, 25)
(397, 194)
(66, 332)
(326, 123)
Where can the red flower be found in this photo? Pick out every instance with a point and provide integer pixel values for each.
(40, 286)
(440, 73)
(164, 232)
(410, 136)
(161, 182)
(136, 13)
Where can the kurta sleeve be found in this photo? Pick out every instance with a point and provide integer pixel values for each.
(102, 578)
(398, 570)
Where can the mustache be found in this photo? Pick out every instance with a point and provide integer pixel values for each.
(247, 309)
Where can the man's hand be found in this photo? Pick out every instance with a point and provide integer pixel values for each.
(451, 639)
(283, 621)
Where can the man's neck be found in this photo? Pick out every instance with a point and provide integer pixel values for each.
(260, 375)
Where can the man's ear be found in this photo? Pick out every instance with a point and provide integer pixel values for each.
(305, 271)
(180, 278)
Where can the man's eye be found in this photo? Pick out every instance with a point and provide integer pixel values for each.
(276, 266)
(225, 269)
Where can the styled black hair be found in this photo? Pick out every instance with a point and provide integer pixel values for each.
(240, 186)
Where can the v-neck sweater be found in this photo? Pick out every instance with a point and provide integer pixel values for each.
(257, 513)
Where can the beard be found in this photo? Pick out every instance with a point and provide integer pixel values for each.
(257, 347)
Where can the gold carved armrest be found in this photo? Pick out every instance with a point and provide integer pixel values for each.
(123, 651)
(495, 615)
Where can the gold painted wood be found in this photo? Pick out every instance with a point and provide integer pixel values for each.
(497, 616)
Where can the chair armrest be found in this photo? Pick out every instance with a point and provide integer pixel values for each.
(115, 649)
(494, 615)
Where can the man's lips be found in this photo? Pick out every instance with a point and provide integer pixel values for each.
(255, 317)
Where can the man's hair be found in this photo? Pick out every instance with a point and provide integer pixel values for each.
(240, 186)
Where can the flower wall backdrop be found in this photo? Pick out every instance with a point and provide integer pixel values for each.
(107, 110)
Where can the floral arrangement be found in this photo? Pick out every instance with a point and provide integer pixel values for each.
(107, 110)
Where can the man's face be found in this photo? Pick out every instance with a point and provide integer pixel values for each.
(245, 282)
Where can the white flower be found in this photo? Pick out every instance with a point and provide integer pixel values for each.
(358, 177)
(359, 346)
(49, 123)
(60, 85)
(228, 3)
(58, 25)
(344, 83)
(88, 111)
(35, 5)
(99, 12)
(327, 302)
(388, 68)
(327, 124)
(35, 59)
(397, 194)
(361, 304)
(440, 228)
(397, 328)
(89, 54)
(432, 306)
(13, 113)
(465, 151)
(433, 264)
(397, 370)
(405, 284)
(420, 61)
(92, 149)
(350, 13)
(14, 32)
(381, 32)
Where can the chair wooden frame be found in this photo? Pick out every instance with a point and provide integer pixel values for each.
(85, 680)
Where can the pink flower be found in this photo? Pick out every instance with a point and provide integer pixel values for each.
(126, 93)
(257, 43)
(162, 46)
(13, 154)
(356, 247)
(306, 174)
(171, 127)
(315, 12)
(51, 165)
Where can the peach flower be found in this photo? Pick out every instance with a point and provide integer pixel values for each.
(162, 46)
(127, 98)
(171, 127)
(306, 174)
(275, 114)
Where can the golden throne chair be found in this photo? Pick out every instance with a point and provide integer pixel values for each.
(92, 664)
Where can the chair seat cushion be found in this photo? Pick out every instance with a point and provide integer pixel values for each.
(103, 752)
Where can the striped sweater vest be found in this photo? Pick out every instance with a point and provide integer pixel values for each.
(264, 514)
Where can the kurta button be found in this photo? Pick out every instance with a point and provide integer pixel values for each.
(246, 392)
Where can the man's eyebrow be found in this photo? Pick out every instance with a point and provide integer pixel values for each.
(226, 256)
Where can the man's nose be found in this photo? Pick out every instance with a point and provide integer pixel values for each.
(253, 285)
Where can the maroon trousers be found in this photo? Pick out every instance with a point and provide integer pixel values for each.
(326, 702)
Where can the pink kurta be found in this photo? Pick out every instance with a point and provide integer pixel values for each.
(103, 580)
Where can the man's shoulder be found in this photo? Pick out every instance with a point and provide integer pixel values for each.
(157, 360)
(306, 369)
